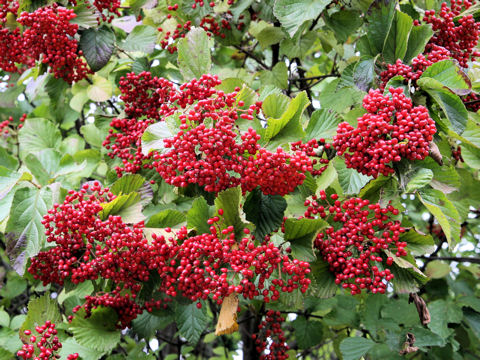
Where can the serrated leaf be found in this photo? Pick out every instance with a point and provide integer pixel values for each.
(166, 218)
(444, 211)
(443, 313)
(278, 76)
(353, 348)
(437, 269)
(152, 138)
(379, 24)
(38, 134)
(450, 75)
(364, 73)
(194, 54)
(97, 332)
(198, 215)
(419, 37)
(141, 39)
(421, 178)
(293, 13)
(127, 184)
(147, 324)
(40, 310)
(396, 43)
(418, 244)
(191, 321)
(265, 211)
(127, 206)
(350, 180)
(229, 201)
(301, 234)
(101, 89)
(307, 332)
(97, 46)
(344, 23)
(70, 346)
(322, 125)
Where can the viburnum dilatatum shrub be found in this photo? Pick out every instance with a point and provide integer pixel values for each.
(460, 40)
(271, 336)
(391, 129)
(314, 148)
(43, 346)
(354, 246)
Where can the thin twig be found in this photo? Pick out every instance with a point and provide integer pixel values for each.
(472, 260)
(253, 56)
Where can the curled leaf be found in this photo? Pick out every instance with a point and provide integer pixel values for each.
(435, 153)
(422, 309)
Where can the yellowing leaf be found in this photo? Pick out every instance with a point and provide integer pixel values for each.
(227, 320)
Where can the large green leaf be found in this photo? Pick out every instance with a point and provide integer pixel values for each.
(265, 211)
(443, 313)
(38, 134)
(293, 13)
(420, 178)
(198, 216)
(278, 76)
(307, 332)
(444, 211)
(324, 280)
(70, 346)
(379, 25)
(127, 184)
(353, 348)
(141, 39)
(97, 46)
(98, 332)
(350, 180)
(152, 138)
(450, 103)
(147, 324)
(396, 43)
(449, 74)
(191, 321)
(194, 54)
(127, 206)
(166, 218)
(229, 201)
(419, 36)
(418, 244)
(301, 233)
(364, 73)
(28, 208)
(344, 23)
(40, 310)
(323, 124)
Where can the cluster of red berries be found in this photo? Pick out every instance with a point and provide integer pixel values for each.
(314, 148)
(48, 36)
(472, 102)
(44, 348)
(217, 157)
(213, 264)
(4, 125)
(271, 337)
(391, 129)
(457, 154)
(461, 40)
(216, 264)
(214, 24)
(354, 247)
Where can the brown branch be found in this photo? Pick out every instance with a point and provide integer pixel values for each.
(473, 260)
(253, 56)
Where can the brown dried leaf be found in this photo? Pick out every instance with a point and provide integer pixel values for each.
(227, 320)
(435, 153)
(421, 306)
(408, 345)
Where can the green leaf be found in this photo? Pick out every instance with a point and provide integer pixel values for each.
(324, 279)
(147, 324)
(152, 138)
(229, 201)
(8, 179)
(266, 34)
(443, 313)
(293, 13)
(437, 269)
(8, 161)
(98, 332)
(97, 46)
(364, 73)
(420, 179)
(308, 332)
(277, 77)
(265, 211)
(418, 244)
(425, 338)
(38, 134)
(379, 25)
(28, 207)
(142, 39)
(449, 74)
(101, 89)
(340, 99)
(127, 184)
(344, 23)
(350, 180)
(93, 135)
(198, 215)
(287, 126)
(40, 310)
(450, 103)
(419, 36)
(301, 233)
(323, 124)
(396, 42)
(353, 348)
(166, 218)
(194, 54)
(444, 211)
(191, 321)
(127, 206)
(70, 346)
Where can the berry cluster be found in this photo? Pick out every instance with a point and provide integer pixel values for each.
(46, 347)
(354, 246)
(391, 129)
(4, 125)
(213, 23)
(213, 264)
(271, 337)
(314, 148)
(48, 36)
(460, 40)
